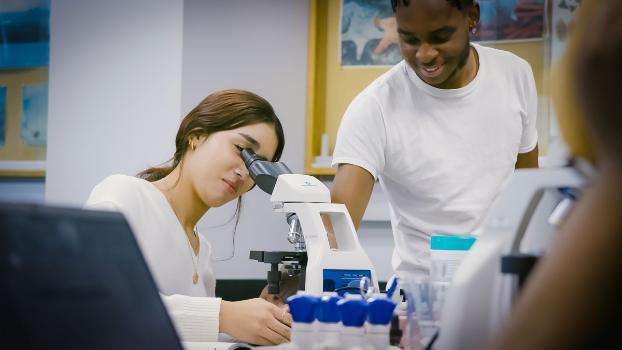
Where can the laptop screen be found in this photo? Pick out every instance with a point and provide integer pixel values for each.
(76, 279)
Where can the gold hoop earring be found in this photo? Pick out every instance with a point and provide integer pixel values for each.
(191, 144)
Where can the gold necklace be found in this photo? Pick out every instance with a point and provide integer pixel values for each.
(195, 275)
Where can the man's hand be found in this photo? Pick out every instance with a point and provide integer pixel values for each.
(255, 321)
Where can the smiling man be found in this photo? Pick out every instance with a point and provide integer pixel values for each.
(442, 130)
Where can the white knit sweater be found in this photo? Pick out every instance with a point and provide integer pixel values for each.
(163, 242)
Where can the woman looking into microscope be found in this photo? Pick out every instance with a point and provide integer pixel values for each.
(164, 204)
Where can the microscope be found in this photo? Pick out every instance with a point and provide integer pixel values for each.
(308, 211)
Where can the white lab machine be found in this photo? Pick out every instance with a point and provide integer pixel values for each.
(307, 205)
(518, 230)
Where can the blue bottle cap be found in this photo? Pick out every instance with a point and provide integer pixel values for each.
(353, 312)
(302, 307)
(327, 310)
(380, 310)
(392, 286)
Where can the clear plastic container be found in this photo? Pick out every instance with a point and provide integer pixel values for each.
(424, 302)
(446, 254)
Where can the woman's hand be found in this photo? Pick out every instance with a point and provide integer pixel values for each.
(255, 321)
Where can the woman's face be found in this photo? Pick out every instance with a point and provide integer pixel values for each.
(215, 167)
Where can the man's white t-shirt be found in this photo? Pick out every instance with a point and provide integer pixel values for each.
(162, 240)
(441, 155)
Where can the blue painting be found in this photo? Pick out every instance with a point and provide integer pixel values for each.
(368, 33)
(369, 30)
(24, 33)
(2, 115)
(34, 115)
(510, 20)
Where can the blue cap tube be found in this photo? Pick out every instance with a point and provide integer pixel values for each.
(380, 310)
(302, 307)
(353, 312)
(327, 310)
(379, 314)
(327, 313)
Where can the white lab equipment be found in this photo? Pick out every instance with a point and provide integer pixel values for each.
(520, 227)
(306, 202)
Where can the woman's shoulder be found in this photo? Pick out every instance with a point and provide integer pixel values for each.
(121, 182)
(118, 189)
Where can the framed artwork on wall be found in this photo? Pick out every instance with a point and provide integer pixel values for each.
(368, 34)
(24, 57)
(510, 20)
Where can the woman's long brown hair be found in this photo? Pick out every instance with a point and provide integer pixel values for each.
(220, 111)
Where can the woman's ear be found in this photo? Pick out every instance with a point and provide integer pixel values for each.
(195, 141)
(191, 144)
(473, 15)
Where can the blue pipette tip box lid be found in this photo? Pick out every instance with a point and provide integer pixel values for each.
(353, 312)
(327, 310)
(302, 307)
(380, 310)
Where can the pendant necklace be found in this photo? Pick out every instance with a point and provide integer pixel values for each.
(195, 264)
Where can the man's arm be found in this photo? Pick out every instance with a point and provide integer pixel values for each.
(352, 186)
(527, 160)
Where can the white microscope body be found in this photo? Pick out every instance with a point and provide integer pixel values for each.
(327, 268)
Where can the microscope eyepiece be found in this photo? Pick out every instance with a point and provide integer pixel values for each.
(263, 172)
(249, 157)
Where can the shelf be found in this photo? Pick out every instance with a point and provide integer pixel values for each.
(320, 171)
